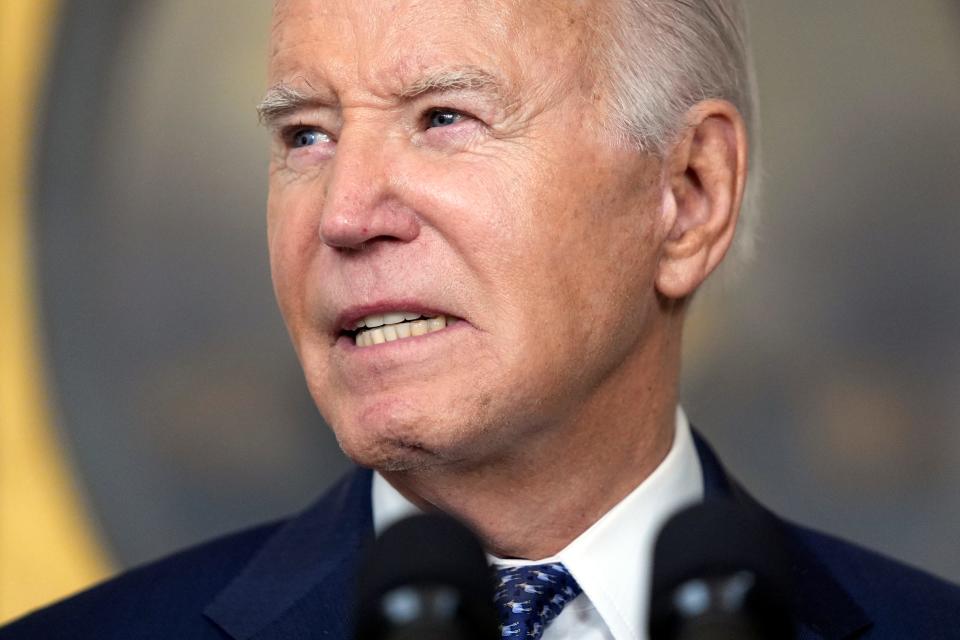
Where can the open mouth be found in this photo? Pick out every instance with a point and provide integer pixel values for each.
(388, 327)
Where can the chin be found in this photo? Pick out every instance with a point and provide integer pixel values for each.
(409, 440)
(388, 443)
(397, 459)
(385, 453)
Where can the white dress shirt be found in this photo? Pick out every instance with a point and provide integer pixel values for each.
(612, 559)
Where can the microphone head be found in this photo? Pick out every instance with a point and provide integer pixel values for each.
(721, 571)
(426, 577)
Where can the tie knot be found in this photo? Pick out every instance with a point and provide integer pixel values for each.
(528, 598)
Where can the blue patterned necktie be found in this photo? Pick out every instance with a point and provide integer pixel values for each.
(529, 598)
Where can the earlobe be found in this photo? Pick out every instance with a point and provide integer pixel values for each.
(703, 187)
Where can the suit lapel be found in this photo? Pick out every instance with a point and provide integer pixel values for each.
(825, 611)
(300, 584)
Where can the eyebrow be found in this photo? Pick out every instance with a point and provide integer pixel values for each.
(282, 99)
(464, 79)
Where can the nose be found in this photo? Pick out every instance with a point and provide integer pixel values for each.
(363, 200)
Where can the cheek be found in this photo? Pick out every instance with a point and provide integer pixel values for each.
(477, 207)
(591, 261)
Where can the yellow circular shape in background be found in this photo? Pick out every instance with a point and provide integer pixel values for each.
(48, 544)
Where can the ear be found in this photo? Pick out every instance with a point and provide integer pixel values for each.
(704, 176)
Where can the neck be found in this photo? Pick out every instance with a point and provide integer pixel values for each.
(532, 506)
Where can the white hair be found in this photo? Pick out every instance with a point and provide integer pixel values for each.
(664, 56)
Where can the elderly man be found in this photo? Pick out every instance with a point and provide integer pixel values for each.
(487, 219)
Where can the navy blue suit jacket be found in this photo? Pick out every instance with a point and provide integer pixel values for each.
(294, 580)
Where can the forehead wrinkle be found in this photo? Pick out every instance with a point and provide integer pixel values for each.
(389, 70)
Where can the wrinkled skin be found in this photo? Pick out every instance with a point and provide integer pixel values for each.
(517, 218)
(501, 202)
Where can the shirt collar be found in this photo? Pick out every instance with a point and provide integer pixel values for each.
(612, 560)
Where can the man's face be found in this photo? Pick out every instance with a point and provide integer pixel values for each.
(449, 162)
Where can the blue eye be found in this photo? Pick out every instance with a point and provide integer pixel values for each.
(443, 118)
(307, 138)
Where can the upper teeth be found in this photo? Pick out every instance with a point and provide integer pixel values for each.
(388, 318)
(377, 329)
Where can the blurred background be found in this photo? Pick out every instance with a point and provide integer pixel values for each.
(151, 399)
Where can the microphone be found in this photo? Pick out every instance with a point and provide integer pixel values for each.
(426, 578)
(720, 571)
